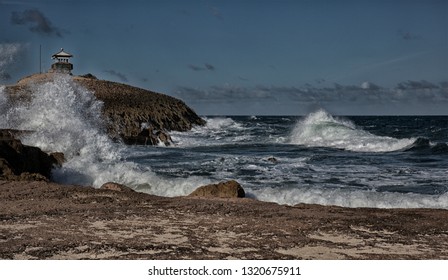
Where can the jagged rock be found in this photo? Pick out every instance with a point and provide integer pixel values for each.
(133, 112)
(148, 137)
(227, 189)
(128, 110)
(22, 162)
(164, 137)
(59, 158)
(116, 187)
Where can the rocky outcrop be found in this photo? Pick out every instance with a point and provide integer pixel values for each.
(22, 162)
(229, 189)
(136, 115)
(140, 116)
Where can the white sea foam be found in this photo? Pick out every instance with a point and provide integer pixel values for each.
(66, 117)
(3, 106)
(217, 124)
(320, 129)
(349, 198)
(8, 55)
(217, 131)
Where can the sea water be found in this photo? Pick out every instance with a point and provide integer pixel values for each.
(379, 161)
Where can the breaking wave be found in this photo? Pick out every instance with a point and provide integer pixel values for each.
(65, 117)
(320, 129)
(217, 131)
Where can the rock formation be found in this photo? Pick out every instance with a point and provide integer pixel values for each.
(229, 189)
(136, 115)
(140, 116)
(21, 162)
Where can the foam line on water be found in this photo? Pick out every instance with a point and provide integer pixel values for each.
(349, 198)
(217, 131)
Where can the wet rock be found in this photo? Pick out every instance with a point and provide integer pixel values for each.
(22, 162)
(148, 137)
(227, 189)
(58, 158)
(164, 137)
(116, 187)
(272, 159)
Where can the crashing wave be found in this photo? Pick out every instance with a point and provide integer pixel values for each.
(65, 117)
(320, 129)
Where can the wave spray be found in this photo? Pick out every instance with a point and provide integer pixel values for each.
(65, 117)
(320, 129)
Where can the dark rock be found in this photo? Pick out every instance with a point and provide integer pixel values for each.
(272, 159)
(58, 158)
(227, 189)
(22, 162)
(148, 137)
(164, 137)
(116, 187)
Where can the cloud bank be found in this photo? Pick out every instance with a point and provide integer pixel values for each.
(206, 67)
(367, 98)
(37, 22)
(119, 75)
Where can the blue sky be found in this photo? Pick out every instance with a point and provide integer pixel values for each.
(245, 57)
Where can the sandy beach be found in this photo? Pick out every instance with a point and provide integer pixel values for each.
(40, 220)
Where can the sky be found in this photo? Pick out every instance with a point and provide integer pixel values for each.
(245, 57)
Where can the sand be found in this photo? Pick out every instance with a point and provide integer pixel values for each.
(40, 220)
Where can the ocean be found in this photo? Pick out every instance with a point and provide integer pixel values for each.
(349, 161)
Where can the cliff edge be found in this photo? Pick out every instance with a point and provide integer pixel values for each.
(139, 115)
(136, 115)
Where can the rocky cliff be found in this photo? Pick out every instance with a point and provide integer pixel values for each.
(140, 116)
(136, 115)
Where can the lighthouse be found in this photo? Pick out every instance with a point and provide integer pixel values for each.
(62, 64)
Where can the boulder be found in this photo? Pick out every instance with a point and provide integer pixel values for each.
(22, 162)
(116, 187)
(229, 189)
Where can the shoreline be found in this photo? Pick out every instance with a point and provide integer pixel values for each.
(107, 224)
(45, 220)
